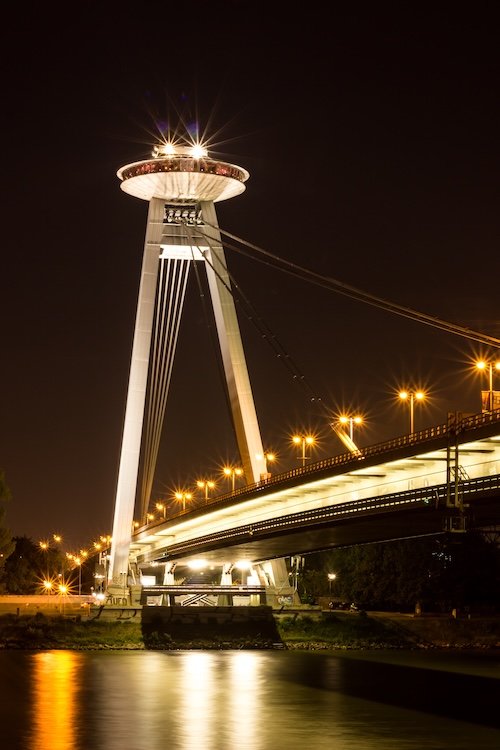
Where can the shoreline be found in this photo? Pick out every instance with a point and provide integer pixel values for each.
(299, 631)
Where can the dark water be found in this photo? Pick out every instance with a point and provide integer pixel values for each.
(255, 700)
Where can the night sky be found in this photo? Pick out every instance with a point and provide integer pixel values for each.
(371, 139)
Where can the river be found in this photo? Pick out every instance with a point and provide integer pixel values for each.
(249, 700)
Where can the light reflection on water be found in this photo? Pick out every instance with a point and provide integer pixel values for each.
(228, 700)
(54, 699)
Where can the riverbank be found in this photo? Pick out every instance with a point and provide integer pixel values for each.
(384, 630)
(300, 630)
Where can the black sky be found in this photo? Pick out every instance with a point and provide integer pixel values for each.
(371, 139)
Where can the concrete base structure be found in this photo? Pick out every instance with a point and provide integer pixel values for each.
(268, 582)
(279, 589)
(185, 627)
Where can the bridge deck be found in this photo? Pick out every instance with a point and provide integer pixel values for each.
(397, 489)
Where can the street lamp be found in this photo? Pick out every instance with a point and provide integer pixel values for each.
(411, 397)
(63, 592)
(269, 457)
(351, 421)
(303, 440)
(205, 484)
(489, 367)
(182, 497)
(162, 508)
(331, 578)
(232, 473)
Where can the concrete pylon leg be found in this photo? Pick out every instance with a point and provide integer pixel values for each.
(280, 591)
(136, 396)
(233, 356)
(118, 592)
(226, 579)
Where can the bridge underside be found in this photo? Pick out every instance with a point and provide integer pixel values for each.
(258, 543)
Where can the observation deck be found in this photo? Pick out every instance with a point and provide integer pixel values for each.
(181, 178)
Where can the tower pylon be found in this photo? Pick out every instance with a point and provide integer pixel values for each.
(181, 186)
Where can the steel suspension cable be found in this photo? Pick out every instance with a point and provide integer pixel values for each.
(170, 299)
(269, 337)
(359, 295)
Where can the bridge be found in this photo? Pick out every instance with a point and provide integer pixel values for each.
(443, 478)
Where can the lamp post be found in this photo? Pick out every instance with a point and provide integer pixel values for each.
(411, 397)
(232, 473)
(489, 367)
(182, 497)
(303, 440)
(269, 458)
(63, 591)
(205, 484)
(351, 421)
(331, 578)
(78, 561)
(162, 508)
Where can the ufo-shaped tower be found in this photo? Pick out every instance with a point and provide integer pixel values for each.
(182, 185)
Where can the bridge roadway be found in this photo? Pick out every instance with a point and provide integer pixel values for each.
(409, 486)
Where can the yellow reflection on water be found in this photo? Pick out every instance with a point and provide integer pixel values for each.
(199, 700)
(54, 693)
(246, 698)
(220, 701)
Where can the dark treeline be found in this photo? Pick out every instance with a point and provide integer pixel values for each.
(438, 573)
(459, 570)
(28, 566)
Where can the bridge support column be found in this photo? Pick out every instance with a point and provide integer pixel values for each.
(279, 592)
(255, 599)
(455, 476)
(168, 600)
(226, 579)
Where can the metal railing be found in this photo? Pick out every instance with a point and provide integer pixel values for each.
(450, 428)
(433, 497)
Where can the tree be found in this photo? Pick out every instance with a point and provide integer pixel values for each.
(6, 542)
(440, 573)
(29, 566)
(469, 574)
(23, 569)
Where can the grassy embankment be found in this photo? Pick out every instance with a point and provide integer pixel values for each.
(383, 630)
(337, 630)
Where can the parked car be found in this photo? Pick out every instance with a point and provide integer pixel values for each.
(339, 605)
